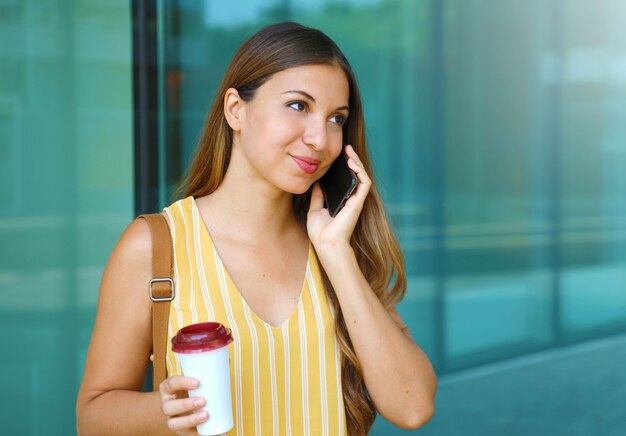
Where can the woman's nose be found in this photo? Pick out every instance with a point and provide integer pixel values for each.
(315, 134)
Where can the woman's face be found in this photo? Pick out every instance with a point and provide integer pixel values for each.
(291, 131)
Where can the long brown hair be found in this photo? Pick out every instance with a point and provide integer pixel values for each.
(270, 50)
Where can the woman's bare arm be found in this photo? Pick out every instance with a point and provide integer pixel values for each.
(109, 401)
(397, 373)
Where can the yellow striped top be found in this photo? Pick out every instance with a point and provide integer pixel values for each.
(285, 380)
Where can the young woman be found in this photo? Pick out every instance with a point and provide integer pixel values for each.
(319, 347)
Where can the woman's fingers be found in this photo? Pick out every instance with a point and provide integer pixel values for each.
(177, 383)
(320, 226)
(317, 198)
(365, 183)
(357, 166)
(182, 406)
(182, 413)
(187, 421)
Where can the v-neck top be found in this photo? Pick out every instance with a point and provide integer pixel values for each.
(285, 379)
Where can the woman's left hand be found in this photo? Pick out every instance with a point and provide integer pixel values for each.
(326, 231)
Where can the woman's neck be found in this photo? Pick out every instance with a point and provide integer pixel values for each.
(250, 210)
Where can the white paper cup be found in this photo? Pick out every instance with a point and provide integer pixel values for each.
(203, 353)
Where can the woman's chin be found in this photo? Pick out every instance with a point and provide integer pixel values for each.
(298, 191)
(298, 188)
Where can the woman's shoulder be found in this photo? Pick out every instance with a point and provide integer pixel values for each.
(137, 238)
(135, 243)
(129, 267)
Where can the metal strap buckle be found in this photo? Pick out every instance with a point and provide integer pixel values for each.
(164, 279)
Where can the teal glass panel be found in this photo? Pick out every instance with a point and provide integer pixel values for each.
(500, 235)
(592, 130)
(66, 194)
(498, 138)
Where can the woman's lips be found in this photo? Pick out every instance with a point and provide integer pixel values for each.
(307, 164)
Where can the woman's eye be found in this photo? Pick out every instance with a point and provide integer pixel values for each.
(297, 105)
(301, 106)
(338, 119)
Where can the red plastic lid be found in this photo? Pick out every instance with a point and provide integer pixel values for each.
(204, 336)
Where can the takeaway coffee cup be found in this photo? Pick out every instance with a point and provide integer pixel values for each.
(203, 353)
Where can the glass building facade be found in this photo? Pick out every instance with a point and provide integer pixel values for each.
(66, 194)
(498, 134)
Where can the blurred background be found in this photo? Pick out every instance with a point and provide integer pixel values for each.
(498, 134)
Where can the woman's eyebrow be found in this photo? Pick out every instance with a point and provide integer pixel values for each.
(310, 97)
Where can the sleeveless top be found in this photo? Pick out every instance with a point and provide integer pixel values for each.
(285, 379)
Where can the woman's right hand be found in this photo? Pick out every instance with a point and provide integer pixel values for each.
(183, 414)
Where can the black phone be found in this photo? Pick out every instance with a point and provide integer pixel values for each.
(338, 184)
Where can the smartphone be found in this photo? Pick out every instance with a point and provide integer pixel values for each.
(338, 184)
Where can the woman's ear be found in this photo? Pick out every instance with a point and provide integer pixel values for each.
(232, 107)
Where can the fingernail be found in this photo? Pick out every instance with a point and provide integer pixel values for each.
(195, 383)
(202, 415)
(198, 402)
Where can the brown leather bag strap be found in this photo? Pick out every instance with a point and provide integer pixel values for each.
(161, 291)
